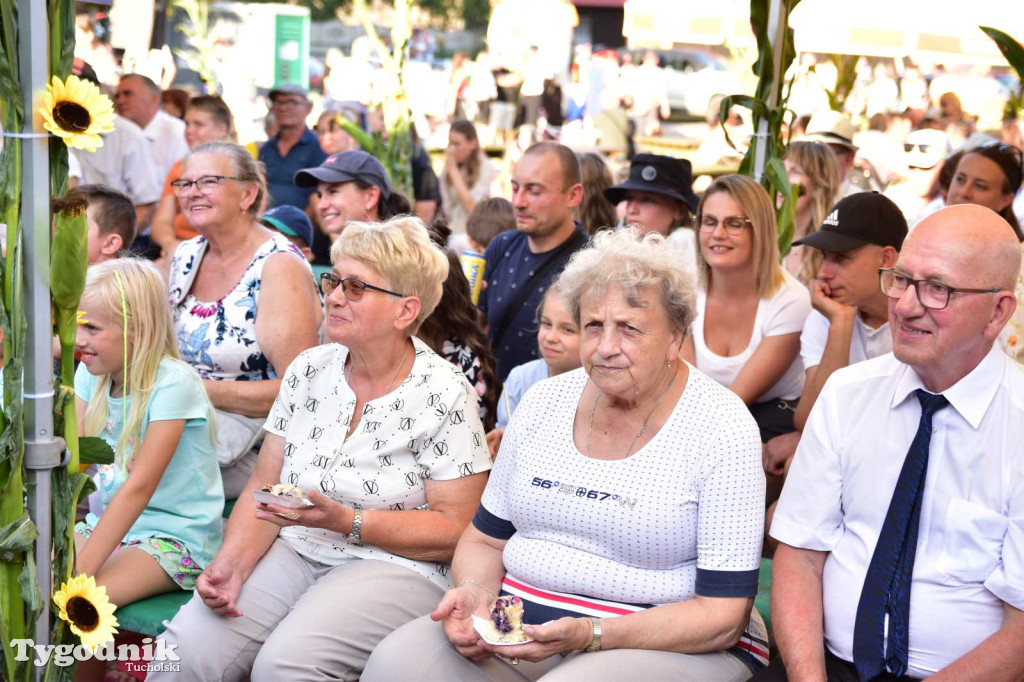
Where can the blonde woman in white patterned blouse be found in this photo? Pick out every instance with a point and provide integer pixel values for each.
(384, 438)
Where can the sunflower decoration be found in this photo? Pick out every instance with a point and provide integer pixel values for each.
(85, 607)
(76, 111)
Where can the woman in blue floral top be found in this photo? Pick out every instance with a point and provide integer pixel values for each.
(244, 300)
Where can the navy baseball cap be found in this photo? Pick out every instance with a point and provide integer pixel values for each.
(291, 221)
(346, 167)
(859, 219)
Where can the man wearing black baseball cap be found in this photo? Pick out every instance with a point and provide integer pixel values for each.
(862, 233)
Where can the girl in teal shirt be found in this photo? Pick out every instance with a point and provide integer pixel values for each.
(162, 497)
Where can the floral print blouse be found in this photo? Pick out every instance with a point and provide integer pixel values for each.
(218, 338)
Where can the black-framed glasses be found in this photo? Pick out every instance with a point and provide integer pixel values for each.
(734, 224)
(931, 295)
(1007, 149)
(352, 287)
(204, 185)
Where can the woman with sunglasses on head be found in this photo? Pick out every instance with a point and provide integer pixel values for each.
(382, 438)
(812, 166)
(750, 311)
(991, 176)
(242, 296)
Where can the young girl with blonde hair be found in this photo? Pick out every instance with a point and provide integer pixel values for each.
(162, 497)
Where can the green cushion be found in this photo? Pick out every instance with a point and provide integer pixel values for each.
(764, 589)
(147, 616)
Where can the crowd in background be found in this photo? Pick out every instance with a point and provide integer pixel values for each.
(384, 352)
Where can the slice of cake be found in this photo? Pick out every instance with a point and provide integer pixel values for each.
(284, 490)
(507, 619)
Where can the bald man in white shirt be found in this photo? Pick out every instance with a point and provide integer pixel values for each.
(943, 599)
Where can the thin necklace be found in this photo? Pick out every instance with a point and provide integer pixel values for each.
(348, 379)
(643, 426)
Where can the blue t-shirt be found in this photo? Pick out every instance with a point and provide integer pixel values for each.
(282, 169)
(510, 266)
(188, 503)
(519, 381)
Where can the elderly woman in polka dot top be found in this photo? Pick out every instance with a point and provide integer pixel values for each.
(384, 439)
(624, 508)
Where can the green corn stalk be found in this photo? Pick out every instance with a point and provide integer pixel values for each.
(1014, 53)
(16, 530)
(770, 87)
(69, 256)
(846, 78)
(396, 153)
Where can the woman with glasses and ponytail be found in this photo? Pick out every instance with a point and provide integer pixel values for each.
(377, 442)
(991, 175)
(243, 299)
(750, 311)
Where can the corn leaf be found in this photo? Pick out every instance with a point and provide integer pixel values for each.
(17, 537)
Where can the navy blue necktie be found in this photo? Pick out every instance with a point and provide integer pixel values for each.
(887, 583)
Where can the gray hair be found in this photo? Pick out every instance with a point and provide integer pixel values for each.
(629, 261)
(244, 167)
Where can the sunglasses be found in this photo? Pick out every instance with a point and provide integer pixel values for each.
(352, 287)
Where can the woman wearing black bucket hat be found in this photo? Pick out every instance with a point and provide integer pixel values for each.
(659, 198)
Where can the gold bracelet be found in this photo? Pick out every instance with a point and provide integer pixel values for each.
(480, 585)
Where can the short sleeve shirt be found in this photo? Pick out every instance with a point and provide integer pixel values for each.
(970, 547)
(510, 267)
(519, 381)
(682, 516)
(784, 313)
(866, 343)
(428, 427)
(282, 169)
(188, 503)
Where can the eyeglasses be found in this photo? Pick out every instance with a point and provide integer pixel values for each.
(931, 295)
(352, 287)
(203, 185)
(287, 103)
(1013, 152)
(734, 224)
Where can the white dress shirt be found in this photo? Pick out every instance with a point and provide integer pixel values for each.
(970, 550)
(166, 135)
(123, 162)
(865, 344)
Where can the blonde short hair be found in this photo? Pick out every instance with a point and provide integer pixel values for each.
(629, 261)
(755, 204)
(400, 249)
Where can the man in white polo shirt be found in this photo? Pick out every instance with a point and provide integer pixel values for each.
(902, 521)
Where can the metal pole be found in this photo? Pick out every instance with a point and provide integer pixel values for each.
(42, 451)
(776, 34)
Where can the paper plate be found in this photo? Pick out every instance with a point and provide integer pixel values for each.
(483, 628)
(264, 497)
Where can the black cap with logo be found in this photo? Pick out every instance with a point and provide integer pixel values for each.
(658, 174)
(859, 219)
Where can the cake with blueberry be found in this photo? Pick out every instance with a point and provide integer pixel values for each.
(507, 619)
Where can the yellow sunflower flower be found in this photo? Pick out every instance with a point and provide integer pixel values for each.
(77, 112)
(87, 610)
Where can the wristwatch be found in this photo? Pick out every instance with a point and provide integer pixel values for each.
(595, 643)
(356, 534)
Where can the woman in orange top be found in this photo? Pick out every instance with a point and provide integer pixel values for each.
(207, 119)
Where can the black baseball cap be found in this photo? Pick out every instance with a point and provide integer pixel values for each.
(346, 167)
(290, 221)
(859, 219)
(659, 174)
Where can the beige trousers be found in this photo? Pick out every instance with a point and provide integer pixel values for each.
(302, 621)
(420, 652)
